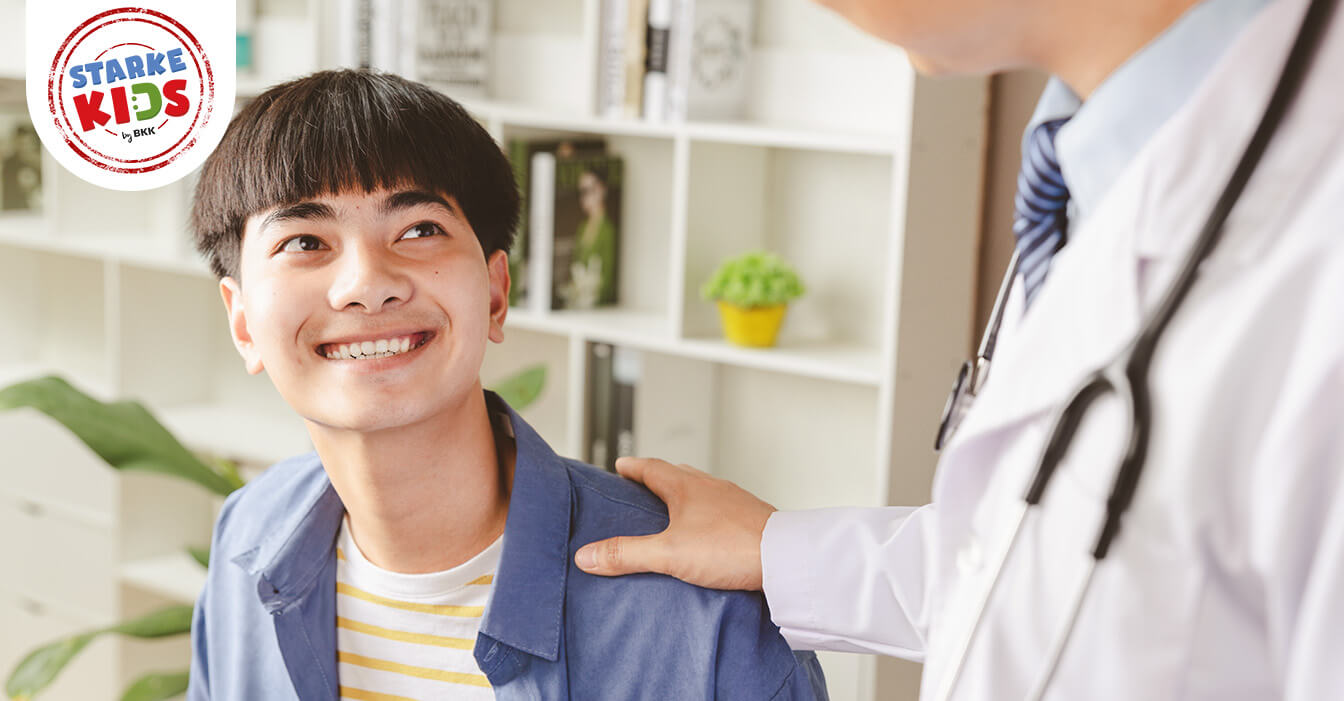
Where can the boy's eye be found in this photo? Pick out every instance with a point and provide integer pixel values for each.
(423, 230)
(303, 242)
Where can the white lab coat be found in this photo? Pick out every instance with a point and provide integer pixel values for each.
(1227, 580)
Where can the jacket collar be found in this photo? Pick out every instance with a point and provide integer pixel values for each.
(526, 606)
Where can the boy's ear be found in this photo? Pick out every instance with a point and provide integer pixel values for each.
(242, 340)
(498, 267)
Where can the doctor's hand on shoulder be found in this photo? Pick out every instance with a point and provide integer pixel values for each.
(713, 538)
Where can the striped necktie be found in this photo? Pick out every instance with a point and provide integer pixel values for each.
(1040, 222)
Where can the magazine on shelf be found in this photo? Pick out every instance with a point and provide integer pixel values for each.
(444, 43)
(585, 230)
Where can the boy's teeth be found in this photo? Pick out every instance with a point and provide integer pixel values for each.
(381, 348)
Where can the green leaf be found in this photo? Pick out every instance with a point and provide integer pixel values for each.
(42, 665)
(156, 687)
(124, 434)
(166, 621)
(523, 388)
(201, 555)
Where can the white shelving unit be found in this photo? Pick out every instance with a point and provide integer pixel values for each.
(864, 176)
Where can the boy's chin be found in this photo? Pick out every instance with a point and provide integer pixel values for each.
(365, 419)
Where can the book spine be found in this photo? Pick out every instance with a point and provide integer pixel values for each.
(655, 66)
(518, 268)
(636, 26)
(679, 45)
(385, 35)
(600, 441)
(625, 372)
(611, 60)
(350, 47)
(541, 232)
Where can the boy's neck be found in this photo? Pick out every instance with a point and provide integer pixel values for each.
(424, 497)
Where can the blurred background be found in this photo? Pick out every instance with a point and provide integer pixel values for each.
(656, 142)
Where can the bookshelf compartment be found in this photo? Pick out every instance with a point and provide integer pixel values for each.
(54, 319)
(646, 211)
(812, 208)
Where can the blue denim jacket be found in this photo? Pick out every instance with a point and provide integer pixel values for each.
(264, 626)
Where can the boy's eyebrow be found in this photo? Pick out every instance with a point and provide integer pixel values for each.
(405, 199)
(301, 210)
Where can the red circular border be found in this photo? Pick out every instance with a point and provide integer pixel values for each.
(60, 99)
(207, 79)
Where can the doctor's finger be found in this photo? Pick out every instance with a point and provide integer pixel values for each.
(661, 477)
(623, 555)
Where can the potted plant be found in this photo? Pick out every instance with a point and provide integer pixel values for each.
(753, 291)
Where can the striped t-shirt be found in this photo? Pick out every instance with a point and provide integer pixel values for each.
(410, 636)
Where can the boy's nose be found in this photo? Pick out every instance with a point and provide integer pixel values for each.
(368, 281)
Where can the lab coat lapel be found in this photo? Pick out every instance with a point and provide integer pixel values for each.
(1081, 317)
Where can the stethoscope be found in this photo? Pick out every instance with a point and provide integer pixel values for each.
(1125, 377)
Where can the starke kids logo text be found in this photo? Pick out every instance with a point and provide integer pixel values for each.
(130, 89)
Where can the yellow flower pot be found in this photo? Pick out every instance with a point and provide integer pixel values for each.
(756, 327)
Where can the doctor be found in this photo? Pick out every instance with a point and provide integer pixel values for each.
(1227, 579)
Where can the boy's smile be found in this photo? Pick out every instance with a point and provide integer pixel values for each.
(367, 310)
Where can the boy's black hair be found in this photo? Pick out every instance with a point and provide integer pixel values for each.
(336, 131)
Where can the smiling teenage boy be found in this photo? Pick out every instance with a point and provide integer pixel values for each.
(359, 225)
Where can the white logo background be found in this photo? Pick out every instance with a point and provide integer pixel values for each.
(130, 97)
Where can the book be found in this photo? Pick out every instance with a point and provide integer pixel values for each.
(613, 375)
(585, 226)
(680, 32)
(655, 60)
(446, 43)
(520, 153)
(600, 440)
(626, 364)
(637, 24)
(611, 52)
(541, 228)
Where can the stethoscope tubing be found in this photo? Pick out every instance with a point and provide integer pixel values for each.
(1127, 375)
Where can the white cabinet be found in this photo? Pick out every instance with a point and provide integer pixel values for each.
(864, 176)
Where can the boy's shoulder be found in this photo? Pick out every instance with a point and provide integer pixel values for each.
(723, 636)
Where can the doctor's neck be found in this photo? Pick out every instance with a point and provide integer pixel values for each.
(1085, 41)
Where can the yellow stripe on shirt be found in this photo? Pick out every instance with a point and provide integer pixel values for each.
(339, 555)
(459, 611)
(405, 636)
(348, 692)
(410, 671)
(483, 579)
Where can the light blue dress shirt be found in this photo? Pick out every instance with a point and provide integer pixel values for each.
(265, 624)
(1112, 126)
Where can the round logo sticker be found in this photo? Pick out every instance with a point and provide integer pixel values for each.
(130, 90)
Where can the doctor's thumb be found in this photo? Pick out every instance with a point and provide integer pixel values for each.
(620, 555)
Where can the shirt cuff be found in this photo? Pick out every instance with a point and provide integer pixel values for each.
(787, 573)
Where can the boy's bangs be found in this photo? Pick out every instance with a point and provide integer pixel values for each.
(351, 130)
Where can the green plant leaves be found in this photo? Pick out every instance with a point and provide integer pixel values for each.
(36, 671)
(523, 388)
(201, 555)
(755, 279)
(156, 687)
(41, 666)
(124, 433)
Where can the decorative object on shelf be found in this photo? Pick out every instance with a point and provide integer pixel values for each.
(753, 291)
(128, 437)
(20, 160)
